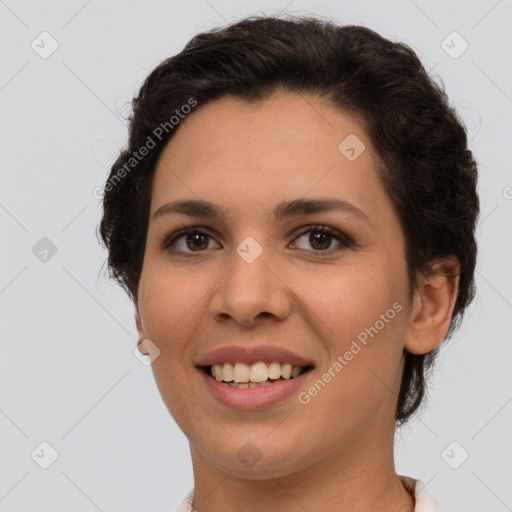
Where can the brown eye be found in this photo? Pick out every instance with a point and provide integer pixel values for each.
(320, 238)
(196, 241)
(188, 241)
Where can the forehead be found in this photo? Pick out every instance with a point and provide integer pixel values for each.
(254, 155)
(284, 123)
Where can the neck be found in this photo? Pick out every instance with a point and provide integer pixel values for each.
(362, 479)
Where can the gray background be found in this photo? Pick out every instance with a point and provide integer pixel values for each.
(68, 375)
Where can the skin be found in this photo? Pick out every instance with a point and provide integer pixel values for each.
(335, 452)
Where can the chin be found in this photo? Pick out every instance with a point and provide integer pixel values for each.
(257, 460)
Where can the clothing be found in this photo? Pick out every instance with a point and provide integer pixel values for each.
(425, 502)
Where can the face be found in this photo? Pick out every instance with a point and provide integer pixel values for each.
(328, 284)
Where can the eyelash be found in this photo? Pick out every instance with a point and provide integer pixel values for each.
(344, 240)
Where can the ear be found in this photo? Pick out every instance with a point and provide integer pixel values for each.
(140, 332)
(433, 303)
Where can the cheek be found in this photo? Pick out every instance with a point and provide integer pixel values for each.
(359, 316)
(349, 300)
(170, 304)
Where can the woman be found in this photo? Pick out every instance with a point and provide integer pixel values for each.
(294, 221)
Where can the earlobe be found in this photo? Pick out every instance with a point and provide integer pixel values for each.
(433, 303)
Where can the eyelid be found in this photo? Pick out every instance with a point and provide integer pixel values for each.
(171, 238)
(343, 239)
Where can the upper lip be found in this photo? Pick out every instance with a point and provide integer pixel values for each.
(251, 355)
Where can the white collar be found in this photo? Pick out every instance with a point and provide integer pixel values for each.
(425, 502)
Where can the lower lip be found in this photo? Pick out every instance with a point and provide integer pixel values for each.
(253, 398)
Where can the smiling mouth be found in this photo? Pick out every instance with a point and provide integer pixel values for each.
(241, 375)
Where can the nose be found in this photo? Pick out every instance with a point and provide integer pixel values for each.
(251, 290)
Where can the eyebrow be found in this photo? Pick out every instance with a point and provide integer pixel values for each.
(200, 208)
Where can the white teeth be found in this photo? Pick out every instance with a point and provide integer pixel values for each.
(295, 371)
(227, 372)
(217, 371)
(286, 371)
(274, 371)
(241, 372)
(249, 384)
(258, 373)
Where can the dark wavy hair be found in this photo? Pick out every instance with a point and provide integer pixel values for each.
(421, 143)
